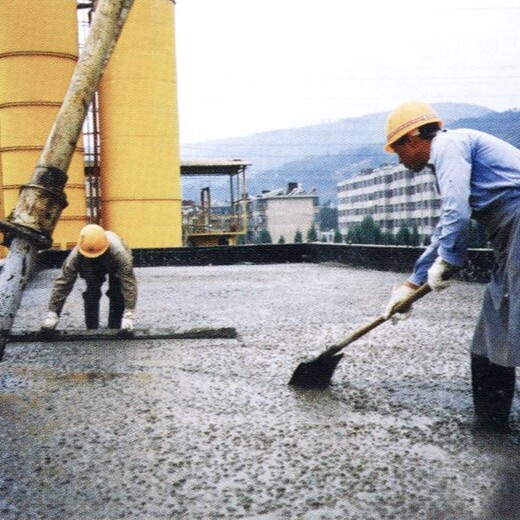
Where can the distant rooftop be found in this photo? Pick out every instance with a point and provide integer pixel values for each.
(293, 189)
(213, 166)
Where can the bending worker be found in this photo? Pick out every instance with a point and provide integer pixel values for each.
(97, 254)
(478, 176)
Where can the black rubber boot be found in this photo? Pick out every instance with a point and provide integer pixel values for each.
(91, 307)
(493, 392)
(117, 303)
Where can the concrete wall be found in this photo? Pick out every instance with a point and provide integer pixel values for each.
(383, 258)
(397, 258)
(287, 215)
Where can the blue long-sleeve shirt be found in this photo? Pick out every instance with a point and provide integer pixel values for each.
(477, 174)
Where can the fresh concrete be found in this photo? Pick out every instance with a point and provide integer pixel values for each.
(209, 429)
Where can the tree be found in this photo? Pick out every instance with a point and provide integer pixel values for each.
(403, 236)
(281, 240)
(387, 238)
(338, 237)
(415, 239)
(354, 234)
(264, 237)
(298, 237)
(312, 234)
(370, 231)
(328, 217)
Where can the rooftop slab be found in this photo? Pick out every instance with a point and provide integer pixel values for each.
(209, 428)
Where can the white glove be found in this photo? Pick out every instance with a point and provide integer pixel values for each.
(127, 323)
(439, 273)
(399, 293)
(50, 322)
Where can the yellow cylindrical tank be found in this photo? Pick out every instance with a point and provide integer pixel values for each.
(3, 249)
(140, 167)
(38, 53)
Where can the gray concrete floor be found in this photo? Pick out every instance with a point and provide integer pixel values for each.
(207, 429)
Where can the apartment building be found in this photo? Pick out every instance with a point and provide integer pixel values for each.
(394, 196)
(283, 212)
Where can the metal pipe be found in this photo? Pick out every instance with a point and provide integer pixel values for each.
(16, 273)
(30, 225)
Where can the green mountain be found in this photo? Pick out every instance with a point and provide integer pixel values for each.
(505, 125)
(325, 172)
(320, 156)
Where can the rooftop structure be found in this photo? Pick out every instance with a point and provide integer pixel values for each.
(209, 223)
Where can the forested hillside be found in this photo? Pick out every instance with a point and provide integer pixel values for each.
(320, 156)
(325, 172)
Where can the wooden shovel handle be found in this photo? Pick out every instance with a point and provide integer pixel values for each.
(416, 295)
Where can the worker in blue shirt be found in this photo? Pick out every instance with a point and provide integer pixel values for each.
(478, 176)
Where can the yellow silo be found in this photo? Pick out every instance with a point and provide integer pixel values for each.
(3, 249)
(140, 168)
(38, 53)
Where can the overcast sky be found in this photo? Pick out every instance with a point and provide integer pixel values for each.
(247, 66)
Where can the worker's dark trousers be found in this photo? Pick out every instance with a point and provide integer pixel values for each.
(92, 297)
(493, 392)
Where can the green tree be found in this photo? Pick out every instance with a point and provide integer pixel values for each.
(403, 236)
(354, 234)
(312, 234)
(328, 217)
(264, 237)
(370, 232)
(387, 238)
(338, 237)
(415, 239)
(281, 240)
(298, 237)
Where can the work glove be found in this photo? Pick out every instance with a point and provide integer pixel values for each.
(50, 322)
(399, 293)
(439, 274)
(127, 323)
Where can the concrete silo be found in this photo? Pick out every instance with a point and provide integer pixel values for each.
(38, 52)
(140, 170)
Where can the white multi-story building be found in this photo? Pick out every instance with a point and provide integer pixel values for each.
(283, 212)
(394, 196)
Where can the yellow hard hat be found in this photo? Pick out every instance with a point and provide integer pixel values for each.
(93, 241)
(408, 117)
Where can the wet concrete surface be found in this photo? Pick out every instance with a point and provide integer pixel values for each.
(210, 429)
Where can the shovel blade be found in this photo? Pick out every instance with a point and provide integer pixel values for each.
(316, 373)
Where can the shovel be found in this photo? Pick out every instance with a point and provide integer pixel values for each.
(317, 373)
